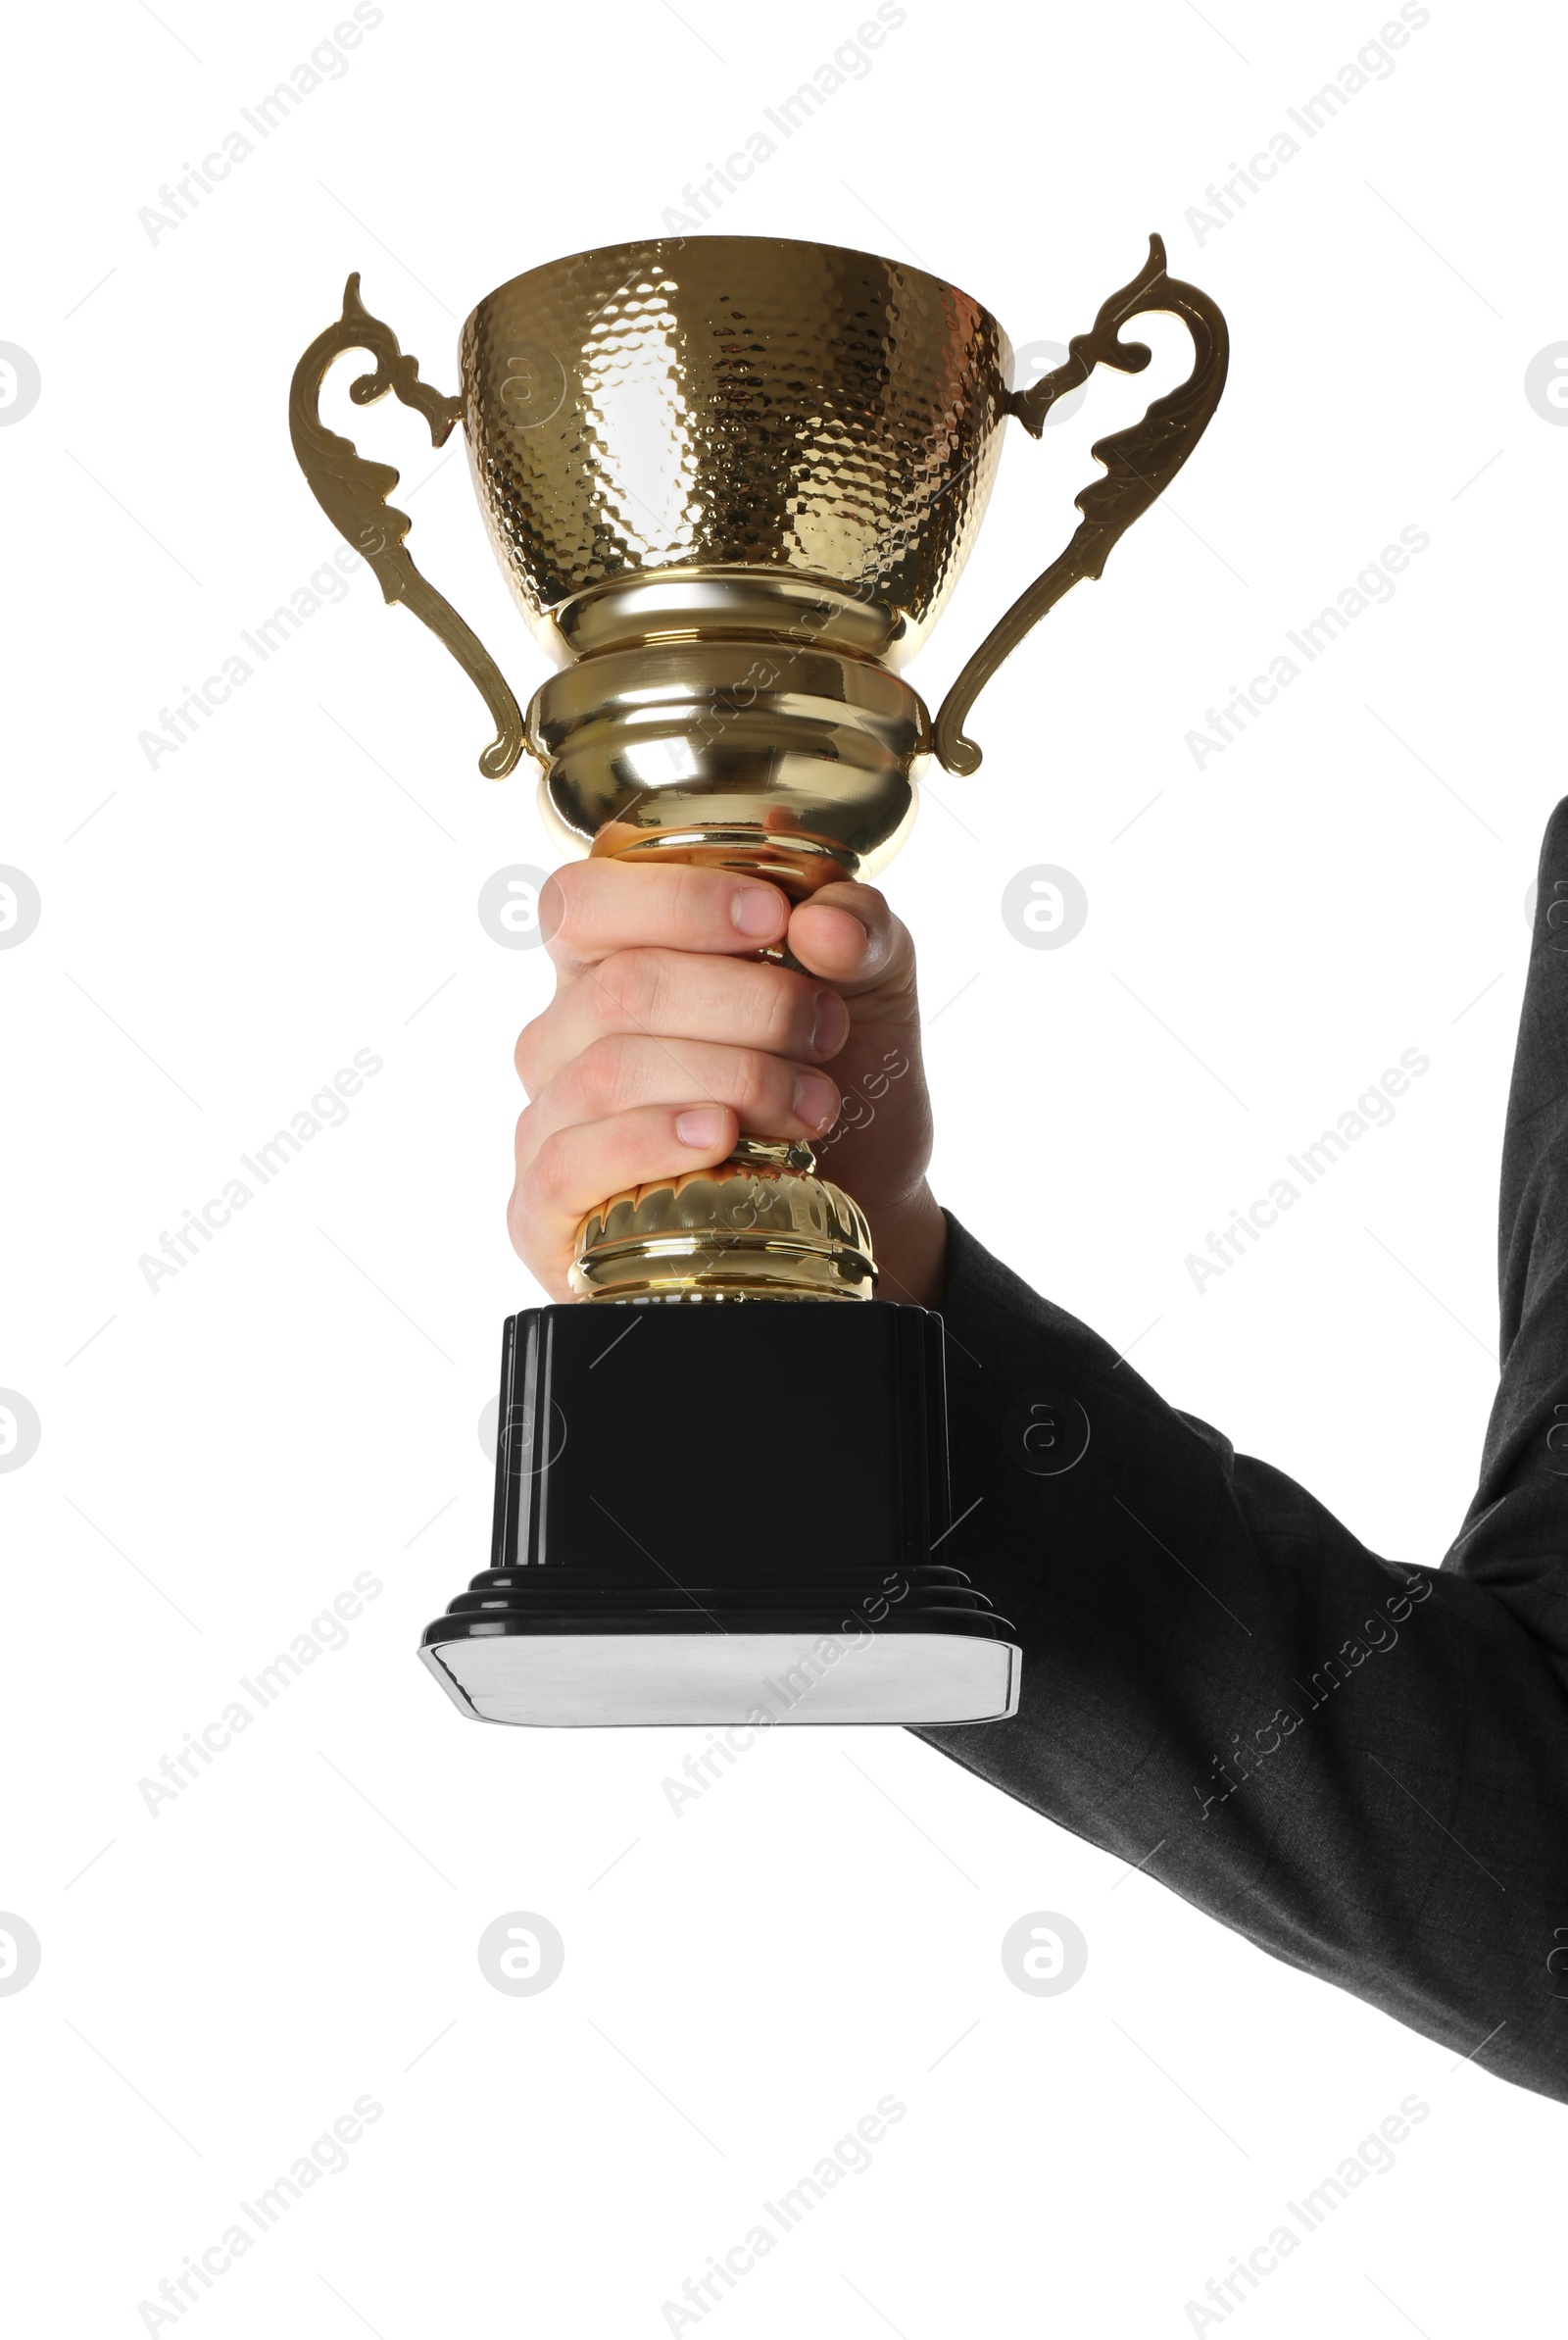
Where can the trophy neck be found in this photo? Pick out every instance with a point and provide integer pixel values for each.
(743, 719)
(761, 604)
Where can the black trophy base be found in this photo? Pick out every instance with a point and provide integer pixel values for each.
(723, 1513)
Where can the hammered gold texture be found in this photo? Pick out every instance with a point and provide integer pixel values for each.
(734, 402)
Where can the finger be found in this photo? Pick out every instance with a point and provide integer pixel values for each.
(592, 908)
(675, 995)
(582, 1166)
(769, 1097)
(848, 934)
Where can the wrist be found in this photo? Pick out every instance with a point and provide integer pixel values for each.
(910, 1240)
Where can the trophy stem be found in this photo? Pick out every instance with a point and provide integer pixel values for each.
(729, 723)
(760, 1225)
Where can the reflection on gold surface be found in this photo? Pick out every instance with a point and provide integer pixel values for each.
(731, 483)
(761, 1227)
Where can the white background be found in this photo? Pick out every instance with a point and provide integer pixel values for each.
(221, 1458)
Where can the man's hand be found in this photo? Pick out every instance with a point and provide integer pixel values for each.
(667, 1038)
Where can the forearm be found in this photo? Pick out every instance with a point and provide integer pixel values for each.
(1361, 1768)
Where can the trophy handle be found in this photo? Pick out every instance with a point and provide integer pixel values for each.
(1140, 462)
(352, 492)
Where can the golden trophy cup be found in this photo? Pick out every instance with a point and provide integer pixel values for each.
(731, 483)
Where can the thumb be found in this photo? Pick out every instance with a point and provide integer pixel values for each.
(848, 934)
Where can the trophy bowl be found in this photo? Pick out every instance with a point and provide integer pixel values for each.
(731, 483)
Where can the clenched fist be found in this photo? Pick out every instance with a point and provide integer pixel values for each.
(667, 1038)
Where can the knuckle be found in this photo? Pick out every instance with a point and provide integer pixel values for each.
(568, 881)
(526, 1056)
(754, 1076)
(526, 1234)
(691, 895)
(523, 1146)
(633, 984)
(529, 1239)
(784, 1006)
(560, 900)
(544, 1182)
(603, 1075)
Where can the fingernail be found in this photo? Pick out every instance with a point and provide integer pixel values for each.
(756, 910)
(815, 1100)
(702, 1127)
(831, 1028)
